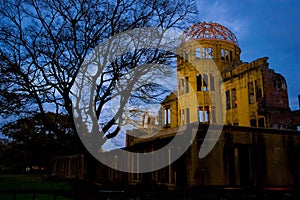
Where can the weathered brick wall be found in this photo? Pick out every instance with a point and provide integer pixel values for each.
(276, 104)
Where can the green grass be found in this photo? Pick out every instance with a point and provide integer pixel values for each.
(27, 182)
(31, 182)
(21, 196)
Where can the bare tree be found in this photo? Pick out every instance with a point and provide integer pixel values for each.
(43, 44)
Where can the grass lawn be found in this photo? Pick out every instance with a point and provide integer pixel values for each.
(27, 182)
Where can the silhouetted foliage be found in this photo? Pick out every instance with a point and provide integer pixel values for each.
(43, 44)
(33, 140)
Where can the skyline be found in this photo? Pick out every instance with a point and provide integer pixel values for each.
(263, 28)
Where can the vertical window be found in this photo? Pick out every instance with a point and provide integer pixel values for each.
(167, 117)
(258, 90)
(199, 82)
(230, 55)
(213, 114)
(204, 52)
(203, 114)
(181, 86)
(205, 82)
(182, 116)
(233, 98)
(206, 113)
(197, 53)
(212, 82)
(187, 84)
(261, 122)
(226, 55)
(253, 122)
(200, 114)
(250, 93)
(187, 114)
(228, 100)
(210, 53)
(222, 54)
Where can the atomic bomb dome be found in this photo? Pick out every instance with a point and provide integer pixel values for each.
(210, 31)
(209, 41)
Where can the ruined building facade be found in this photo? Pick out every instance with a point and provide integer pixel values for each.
(209, 56)
(258, 145)
(259, 141)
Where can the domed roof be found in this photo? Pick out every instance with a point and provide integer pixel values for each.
(210, 30)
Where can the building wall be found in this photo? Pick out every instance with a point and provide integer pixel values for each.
(69, 167)
(199, 70)
(243, 156)
(168, 113)
(254, 95)
(247, 82)
(252, 157)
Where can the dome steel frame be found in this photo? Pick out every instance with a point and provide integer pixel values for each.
(208, 30)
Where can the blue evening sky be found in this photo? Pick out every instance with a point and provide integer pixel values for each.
(263, 28)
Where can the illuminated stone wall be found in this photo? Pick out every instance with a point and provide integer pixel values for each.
(255, 95)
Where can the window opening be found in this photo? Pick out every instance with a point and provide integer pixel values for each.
(213, 114)
(182, 116)
(250, 93)
(253, 122)
(212, 82)
(222, 54)
(261, 122)
(258, 90)
(181, 86)
(187, 114)
(203, 114)
(204, 52)
(198, 53)
(200, 114)
(226, 55)
(228, 100)
(210, 53)
(205, 82)
(233, 98)
(167, 116)
(199, 82)
(206, 113)
(187, 84)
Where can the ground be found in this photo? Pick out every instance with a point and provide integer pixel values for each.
(26, 185)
